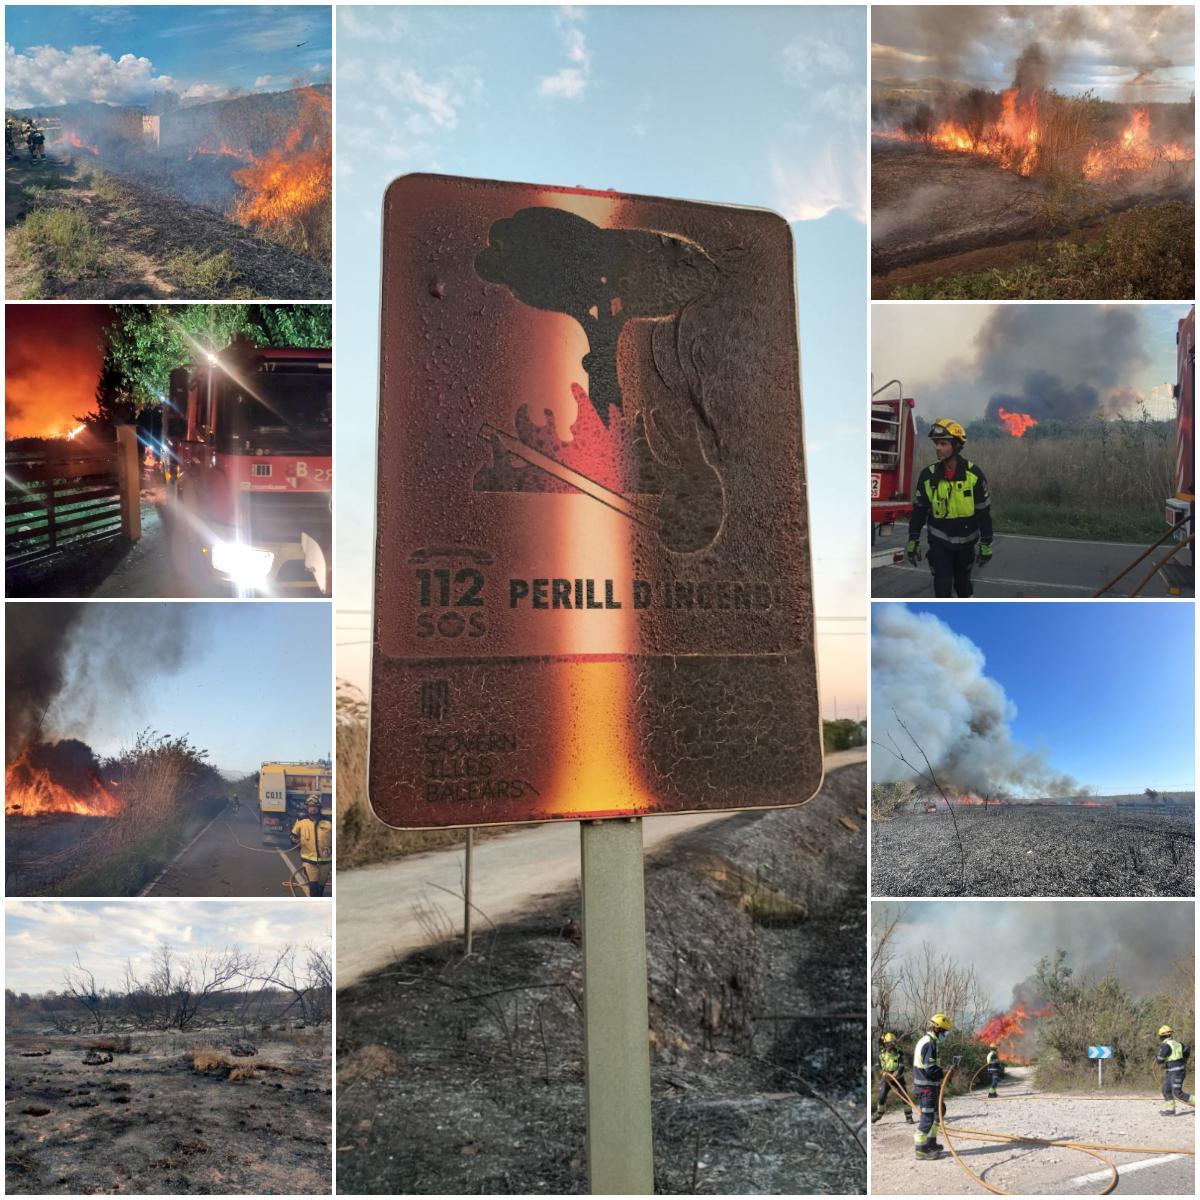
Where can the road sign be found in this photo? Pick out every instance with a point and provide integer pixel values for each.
(593, 593)
(1100, 1052)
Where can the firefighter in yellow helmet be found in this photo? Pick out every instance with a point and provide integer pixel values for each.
(891, 1062)
(313, 833)
(927, 1080)
(1173, 1057)
(993, 1069)
(951, 500)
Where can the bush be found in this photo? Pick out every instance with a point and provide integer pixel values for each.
(844, 734)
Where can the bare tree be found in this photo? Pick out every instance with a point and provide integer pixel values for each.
(931, 981)
(306, 974)
(81, 987)
(883, 957)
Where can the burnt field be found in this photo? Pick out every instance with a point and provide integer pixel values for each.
(171, 1113)
(942, 221)
(1037, 850)
(465, 1076)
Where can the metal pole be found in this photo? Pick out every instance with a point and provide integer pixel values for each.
(620, 1146)
(1100, 1066)
(468, 872)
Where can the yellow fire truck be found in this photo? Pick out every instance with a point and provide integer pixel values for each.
(283, 791)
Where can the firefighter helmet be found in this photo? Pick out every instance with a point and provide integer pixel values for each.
(941, 1021)
(888, 1039)
(314, 801)
(1165, 1031)
(993, 1046)
(944, 428)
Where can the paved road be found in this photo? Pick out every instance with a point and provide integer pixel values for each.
(215, 864)
(1042, 1170)
(383, 910)
(1061, 568)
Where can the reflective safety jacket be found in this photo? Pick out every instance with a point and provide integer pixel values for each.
(927, 1070)
(993, 1059)
(958, 511)
(891, 1062)
(315, 838)
(1173, 1053)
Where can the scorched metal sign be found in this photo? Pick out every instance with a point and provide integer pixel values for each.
(593, 592)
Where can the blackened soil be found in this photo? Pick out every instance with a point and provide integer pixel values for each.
(466, 1076)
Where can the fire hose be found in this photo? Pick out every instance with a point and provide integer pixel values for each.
(985, 1135)
(1144, 555)
(293, 884)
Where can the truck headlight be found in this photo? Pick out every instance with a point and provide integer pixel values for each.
(243, 564)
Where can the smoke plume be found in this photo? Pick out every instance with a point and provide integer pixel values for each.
(932, 680)
(63, 662)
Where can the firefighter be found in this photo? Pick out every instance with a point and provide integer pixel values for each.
(891, 1061)
(313, 833)
(36, 140)
(10, 138)
(927, 1079)
(952, 498)
(993, 1069)
(1173, 1057)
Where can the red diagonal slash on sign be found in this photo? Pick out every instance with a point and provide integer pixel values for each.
(589, 487)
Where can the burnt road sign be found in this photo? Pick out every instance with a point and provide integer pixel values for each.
(593, 579)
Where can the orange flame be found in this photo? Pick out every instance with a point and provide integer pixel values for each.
(1016, 423)
(223, 151)
(1010, 1028)
(69, 137)
(30, 791)
(1134, 150)
(288, 190)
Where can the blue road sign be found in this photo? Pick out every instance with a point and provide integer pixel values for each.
(1100, 1052)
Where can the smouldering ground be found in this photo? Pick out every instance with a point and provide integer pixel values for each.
(1037, 851)
(148, 1123)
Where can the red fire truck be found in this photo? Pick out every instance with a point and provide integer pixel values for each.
(248, 457)
(892, 436)
(1181, 507)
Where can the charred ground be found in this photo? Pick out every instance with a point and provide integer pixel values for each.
(467, 1075)
(150, 1122)
(1024, 850)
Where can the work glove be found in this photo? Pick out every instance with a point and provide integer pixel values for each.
(985, 554)
(913, 551)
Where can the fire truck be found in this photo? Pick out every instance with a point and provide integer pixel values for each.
(893, 432)
(1181, 507)
(283, 792)
(247, 445)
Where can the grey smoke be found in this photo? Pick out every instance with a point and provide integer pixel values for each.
(1003, 939)
(966, 734)
(1070, 362)
(65, 662)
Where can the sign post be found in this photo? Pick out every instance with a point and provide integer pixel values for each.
(1100, 1053)
(620, 1151)
(593, 594)
(468, 899)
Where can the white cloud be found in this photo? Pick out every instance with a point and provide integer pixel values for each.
(831, 176)
(806, 54)
(437, 102)
(46, 75)
(569, 82)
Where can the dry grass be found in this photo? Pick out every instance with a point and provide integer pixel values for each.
(369, 1063)
(240, 1073)
(209, 1058)
(114, 1045)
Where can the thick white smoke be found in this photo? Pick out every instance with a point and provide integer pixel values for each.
(928, 678)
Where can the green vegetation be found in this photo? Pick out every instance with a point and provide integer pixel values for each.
(844, 734)
(1086, 1011)
(1105, 480)
(1146, 253)
(146, 342)
(206, 276)
(60, 241)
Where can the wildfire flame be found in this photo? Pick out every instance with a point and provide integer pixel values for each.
(74, 433)
(69, 137)
(1134, 150)
(288, 190)
(30, 791)
(223, 151)
(1009, 1028)
(1016, 423)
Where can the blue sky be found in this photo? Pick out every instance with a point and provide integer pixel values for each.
(754, 106)
(41, 939)
(122, 54)
(255, 686)
(1106, 687)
